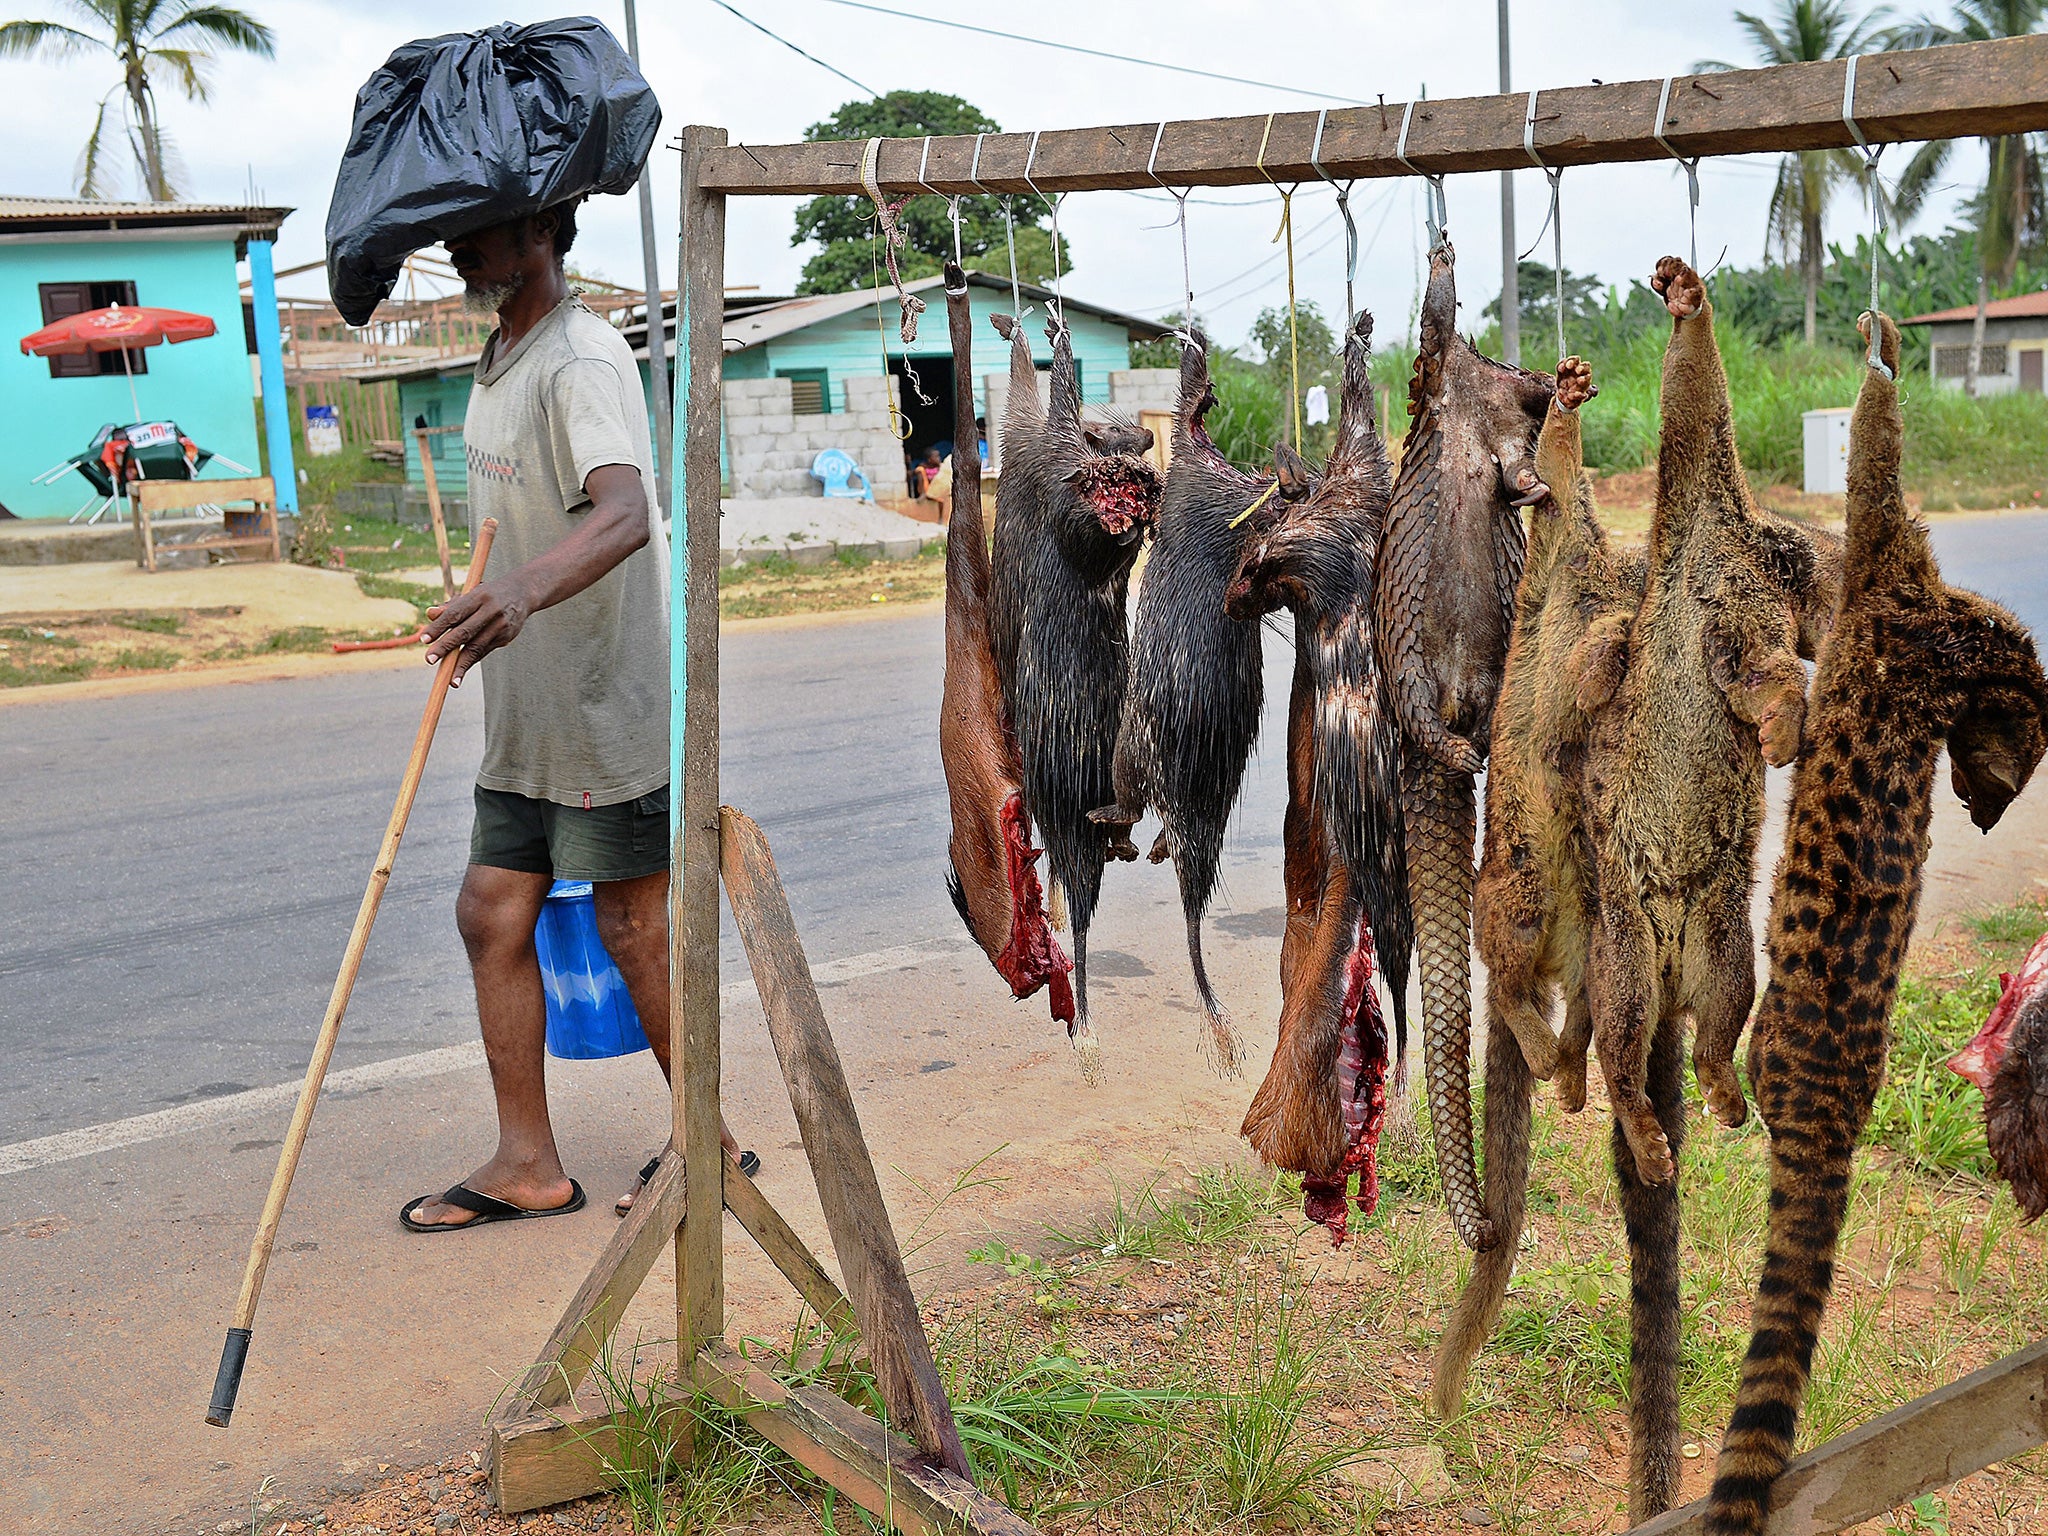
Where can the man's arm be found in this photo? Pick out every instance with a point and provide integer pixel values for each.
(495, 612)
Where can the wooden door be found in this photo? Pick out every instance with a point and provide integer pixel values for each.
(2030, 370)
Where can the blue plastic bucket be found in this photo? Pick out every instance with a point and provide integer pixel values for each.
(590, 1012)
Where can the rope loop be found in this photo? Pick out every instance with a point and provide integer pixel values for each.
(1436, 213)
(889, 234)
(1286, 231)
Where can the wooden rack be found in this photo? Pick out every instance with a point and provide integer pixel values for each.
(544, 1449)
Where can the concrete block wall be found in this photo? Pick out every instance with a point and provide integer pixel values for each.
(769, 448)
(1131, 390)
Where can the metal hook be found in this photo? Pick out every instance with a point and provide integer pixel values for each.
(1878, 223)
(1054, 304)
(1692, 167)
(1186, 333)
(1315, 160)
(1436, 212)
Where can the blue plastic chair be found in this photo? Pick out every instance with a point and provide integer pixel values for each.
(836, 470)
(590, 1013)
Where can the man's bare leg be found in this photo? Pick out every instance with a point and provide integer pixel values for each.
(495, 914)
(632, 919)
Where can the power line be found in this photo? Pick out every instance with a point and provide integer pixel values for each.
(1094, 53)
(793, 48)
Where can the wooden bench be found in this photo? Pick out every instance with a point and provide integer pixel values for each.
(150, 498)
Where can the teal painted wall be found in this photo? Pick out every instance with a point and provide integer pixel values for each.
(845, 347)
(205, 386)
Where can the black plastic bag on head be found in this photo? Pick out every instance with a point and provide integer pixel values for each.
(460, 132)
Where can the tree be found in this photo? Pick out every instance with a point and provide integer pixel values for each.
(844, 227)
(1313, 344)
(1804, 32)
(150, 40)
(2008, 212)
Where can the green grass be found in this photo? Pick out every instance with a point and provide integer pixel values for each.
(29, 656)
(148, 623)
(147, 658)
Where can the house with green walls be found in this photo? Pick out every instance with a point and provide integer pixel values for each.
(61, 256)
(803, 373)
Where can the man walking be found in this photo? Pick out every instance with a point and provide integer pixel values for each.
(575, 777)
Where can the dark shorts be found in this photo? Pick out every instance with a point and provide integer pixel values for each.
(537, 837)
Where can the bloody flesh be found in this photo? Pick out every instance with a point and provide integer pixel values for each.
(1362, 1090)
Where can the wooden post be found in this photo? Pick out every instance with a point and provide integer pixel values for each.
(422, 436)
(1933, 1441)
(693, 754)
(845, 1174)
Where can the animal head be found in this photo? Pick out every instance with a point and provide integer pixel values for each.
(1997, 735)
(1116, 483)
(1312, 552)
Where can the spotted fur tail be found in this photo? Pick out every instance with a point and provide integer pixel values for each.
(1809, 1198)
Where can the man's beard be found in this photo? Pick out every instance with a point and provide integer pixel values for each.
(478, 299)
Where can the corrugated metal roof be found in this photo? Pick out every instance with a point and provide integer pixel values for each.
(2023, 306)
(88, 212)
(752, 326)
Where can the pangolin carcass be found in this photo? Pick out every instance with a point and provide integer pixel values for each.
(2008, 1059)
(1448, 568)
(992, 873)
(1075, 503)
(1320, 1107)
(1197, 684)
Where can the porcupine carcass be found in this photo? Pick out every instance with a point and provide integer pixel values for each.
(992, 867)
(1320, 1107)
(1197, 683)
(1448, 567)
(1076, 501)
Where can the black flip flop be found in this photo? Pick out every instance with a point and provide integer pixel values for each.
(486, 1208)
(750, 1164)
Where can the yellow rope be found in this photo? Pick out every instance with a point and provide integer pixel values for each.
(1264, 496)
(1293, 330)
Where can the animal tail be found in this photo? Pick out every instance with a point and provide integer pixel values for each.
(1809, 1197)
(1649, 1212)
(1223, 1045)
(1440, 821)
(1509, 1092)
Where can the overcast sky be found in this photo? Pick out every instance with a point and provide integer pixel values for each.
(278, 127)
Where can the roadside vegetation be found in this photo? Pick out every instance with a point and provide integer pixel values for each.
(1197, 1358)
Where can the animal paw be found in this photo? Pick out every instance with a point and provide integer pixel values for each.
(1575, 384)
(1652, 1148)
(1779, 729)
(1723, 1091)
(1570, 1083)
(1681, 289)
(1160, 851)
(1117, 844)
(1458, 754)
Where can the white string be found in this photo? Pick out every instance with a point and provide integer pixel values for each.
(1435, 212)
(1552, 220)
(1877, 215)
(1692, 168)
(1315, 160)
(1186, 333)
(1055, 304)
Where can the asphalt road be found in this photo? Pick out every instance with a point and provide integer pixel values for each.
(184, 865)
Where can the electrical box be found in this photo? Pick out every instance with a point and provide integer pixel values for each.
(1827, 451)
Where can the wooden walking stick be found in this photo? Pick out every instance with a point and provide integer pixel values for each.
(227, 1384)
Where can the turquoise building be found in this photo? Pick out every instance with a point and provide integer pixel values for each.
(819, 343)
(59, 256)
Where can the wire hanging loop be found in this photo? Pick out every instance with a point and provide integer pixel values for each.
(1186, 332)
(1552, 221)
(924, 161)
(1054, 304)
(1878, 224)
(1286, 231)
(1315, 160)
(1436, 212)
(1691, 165)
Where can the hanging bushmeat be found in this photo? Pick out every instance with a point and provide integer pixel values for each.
(1197, 676)
(993, 874)
(1447, 573)
(1320, 1107)
(1076, 501)
(2008, 1059)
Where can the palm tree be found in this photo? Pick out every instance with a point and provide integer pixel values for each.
(151, 40)
(1804, 32)
(2009, 210)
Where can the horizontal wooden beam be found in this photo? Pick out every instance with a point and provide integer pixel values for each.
(1964, 90)
(554, 1457)
(1929, 1443)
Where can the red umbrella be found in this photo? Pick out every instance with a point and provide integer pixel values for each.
(117, 328)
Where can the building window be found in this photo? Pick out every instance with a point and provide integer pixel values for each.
(1953, 361)
(61, 299)
(810, 390)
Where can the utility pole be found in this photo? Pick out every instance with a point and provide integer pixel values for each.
(1510, 288)
(657, 342)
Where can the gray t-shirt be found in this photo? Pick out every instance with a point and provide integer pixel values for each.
(576, 708)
